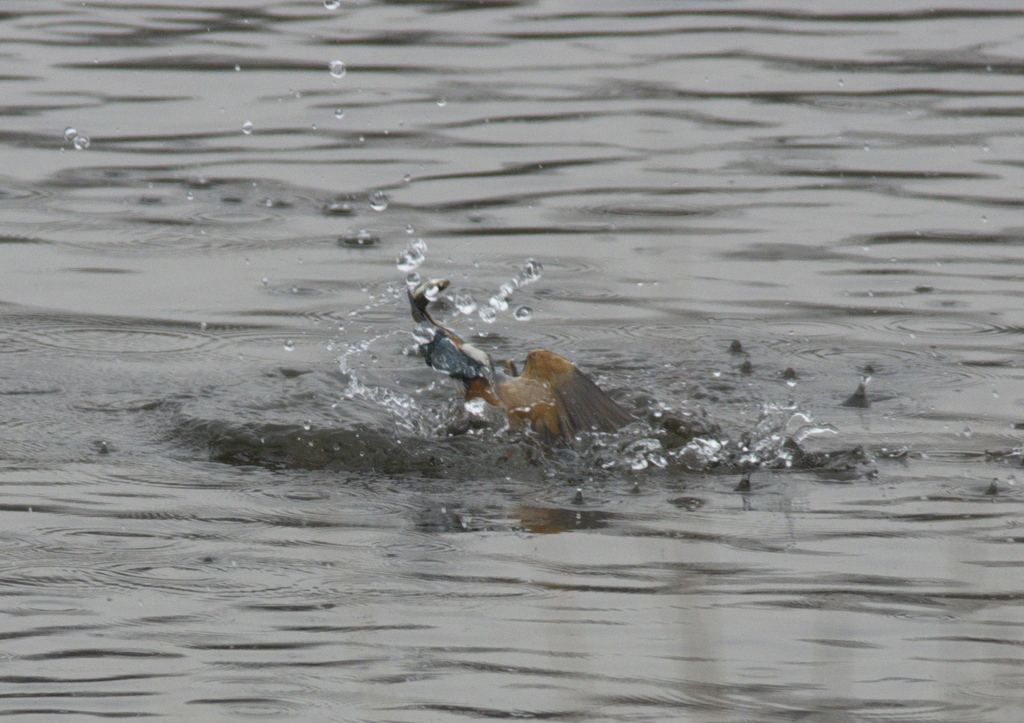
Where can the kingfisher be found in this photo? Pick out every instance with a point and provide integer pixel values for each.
(551, 395)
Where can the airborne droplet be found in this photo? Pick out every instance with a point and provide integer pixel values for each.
(530, 272)
(413, 256)
(424, 334)
(378, 201)
(337, 68)
(465, 303)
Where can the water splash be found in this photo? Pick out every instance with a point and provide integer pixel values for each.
(684, 439)
(642, 453)
(465, 303)
(530, 273)
(488, 314)
(413, 256)
(357, 361)
(771, 444)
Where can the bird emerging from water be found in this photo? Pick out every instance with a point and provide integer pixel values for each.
(550, 396)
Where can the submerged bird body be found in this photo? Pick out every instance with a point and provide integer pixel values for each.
(550, 396)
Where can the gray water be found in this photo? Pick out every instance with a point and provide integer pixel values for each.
(228, 491)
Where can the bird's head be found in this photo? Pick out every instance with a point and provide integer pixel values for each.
(442, 349)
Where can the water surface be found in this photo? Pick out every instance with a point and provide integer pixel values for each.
(228, 491)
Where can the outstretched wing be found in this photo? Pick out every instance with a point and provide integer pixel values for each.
(579, 405)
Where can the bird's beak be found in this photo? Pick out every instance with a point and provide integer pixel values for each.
(418, 298)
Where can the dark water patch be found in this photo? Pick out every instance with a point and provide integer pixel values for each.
(882, 174)
(657, 211)
(296, 447)
(215, 63)
(811, 16)
(938, 237)
(789, 252)
(20, 240)
(101, 653)
(905, 63)
(100, 270)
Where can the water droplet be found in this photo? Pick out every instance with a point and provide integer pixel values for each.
(289, 345)
(424, 333)
(406, 178)
(202, 326)
(523, 313)
(238, 68)
(465, 303)
(339, 113)
(338, 208)
(247, 128)
(413, 280)
(488, 314)
(378, 201)
(506, 290)
(70, 133)
(361, 238)
(498, 302)
(442, 102)
(307, 425)
(530, 272)
(332, 4)
(82, 142)
(337, 68)
(410, 230)
(413, 256)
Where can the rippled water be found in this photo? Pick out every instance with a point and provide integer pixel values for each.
(228, 491)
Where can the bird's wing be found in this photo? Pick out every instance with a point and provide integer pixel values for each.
(579, 404)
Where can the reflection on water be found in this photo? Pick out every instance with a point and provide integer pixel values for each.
(785, 239)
